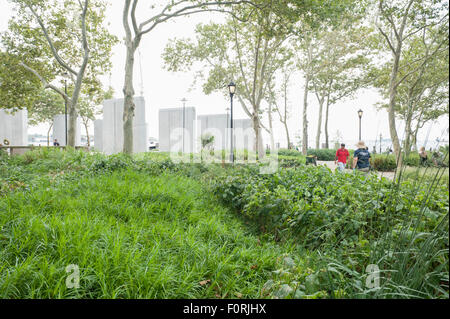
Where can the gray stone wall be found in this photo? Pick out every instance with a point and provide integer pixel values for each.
(218, 126)
(14, 127)
(59, 130)
(112, 126)
(171, 129)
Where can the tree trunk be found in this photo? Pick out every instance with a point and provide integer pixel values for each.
(48, 134)
(305, 103)
(128, 110)
(259, 147)
(86, 127)
(391, 109)
(305, 117)
(72, 129)
(287, 135)
(408, 133)
(327, 145)
(272, 142)
(319, 124)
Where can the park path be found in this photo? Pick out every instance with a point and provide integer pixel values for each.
(332, 166)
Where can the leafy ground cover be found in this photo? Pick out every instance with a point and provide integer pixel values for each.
(353, 221)
(145, 227)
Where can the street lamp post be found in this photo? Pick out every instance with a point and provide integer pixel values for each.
(360, 114)
(380, 143)
(184, 118)
(232, 90)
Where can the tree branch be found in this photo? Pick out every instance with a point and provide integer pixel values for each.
(50, 42)
(44, 81)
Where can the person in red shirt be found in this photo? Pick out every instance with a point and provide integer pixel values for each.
(341, 157)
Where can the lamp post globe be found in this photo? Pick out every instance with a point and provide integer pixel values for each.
(232, 88)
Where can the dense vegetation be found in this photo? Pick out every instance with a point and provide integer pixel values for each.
(144, 227)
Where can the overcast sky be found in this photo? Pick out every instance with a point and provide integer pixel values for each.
(164, 89)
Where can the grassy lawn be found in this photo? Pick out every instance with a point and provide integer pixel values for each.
(145, 227)
(132, 236)
(422, 174)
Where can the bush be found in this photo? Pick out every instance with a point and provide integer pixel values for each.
(323, 154)
(351, 225)
(384, 163)
(287, 152)
(291, 161)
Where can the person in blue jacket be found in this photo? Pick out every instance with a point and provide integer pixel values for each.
(361, 158)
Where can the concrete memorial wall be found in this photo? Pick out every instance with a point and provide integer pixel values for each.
(112, 126)
(59, 130)
(98, 135)
(218, 126)
(244, 135)
(171, 129)
(14, 127)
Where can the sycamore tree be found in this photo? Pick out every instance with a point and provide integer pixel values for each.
(338, 67)
(249, 52)
(307, 35)
(19, 88)
(54, 39)
(242, 51)
(287, 11)
(304, 59)
(278, 96)
(155, 15)
(398, 21)
(423, 95)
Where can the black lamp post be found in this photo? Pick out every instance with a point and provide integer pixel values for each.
(232, 90)
(184, 118)
(380, 143)
(65, 75)
(360, 114)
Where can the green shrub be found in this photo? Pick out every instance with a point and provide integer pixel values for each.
(384, 163)
(323, 154)
(287, 152)
(351, 220)
(291, 161)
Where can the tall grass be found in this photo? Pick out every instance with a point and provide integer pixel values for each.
(132, 235)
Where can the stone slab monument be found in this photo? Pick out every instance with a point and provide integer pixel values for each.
(171, 129)
(244, 134)
(218, 125)
(112, 126)
(98, 135)
(59, 130)
(14, 127)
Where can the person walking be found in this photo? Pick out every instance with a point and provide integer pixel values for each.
(55, 142)
(423, 156)
(341, 158)
(361, 158)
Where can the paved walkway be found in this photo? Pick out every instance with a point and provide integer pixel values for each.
(333, 166)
